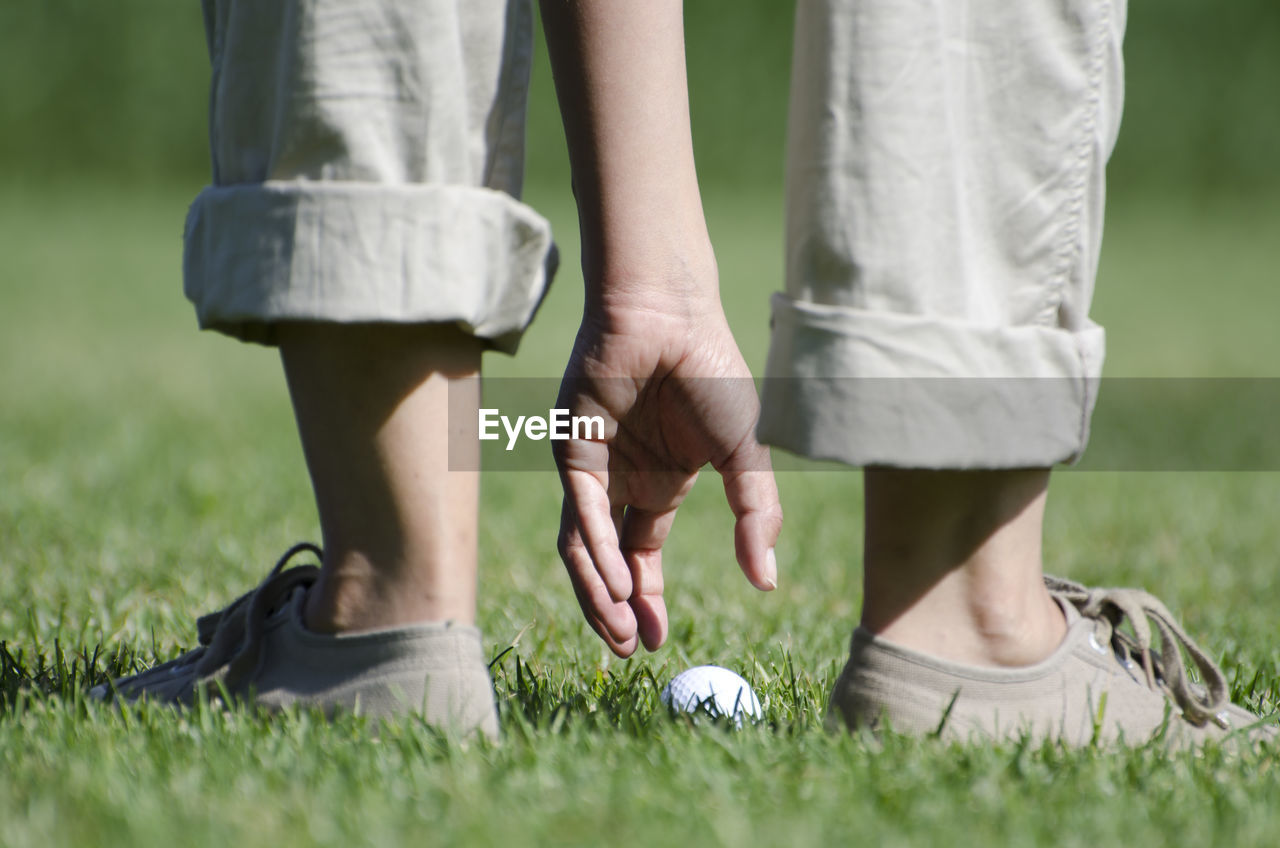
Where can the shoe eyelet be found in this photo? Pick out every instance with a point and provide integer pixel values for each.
(1224, 719)
(1093, 643)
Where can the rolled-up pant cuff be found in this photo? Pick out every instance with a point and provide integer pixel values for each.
(867, 388)
(261, 253)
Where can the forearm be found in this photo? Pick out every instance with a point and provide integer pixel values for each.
(620, 78)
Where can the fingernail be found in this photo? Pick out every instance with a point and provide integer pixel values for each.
(771, 568)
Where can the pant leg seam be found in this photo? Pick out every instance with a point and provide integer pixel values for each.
(513, 91)
(1070, 249)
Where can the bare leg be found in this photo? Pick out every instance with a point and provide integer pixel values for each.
(399, 528)
(952, 564)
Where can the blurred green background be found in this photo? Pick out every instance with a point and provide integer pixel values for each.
(118, 89)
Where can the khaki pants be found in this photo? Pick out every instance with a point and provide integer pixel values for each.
(944, 216)
(367, 160)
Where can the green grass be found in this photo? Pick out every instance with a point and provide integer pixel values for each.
(149, 473)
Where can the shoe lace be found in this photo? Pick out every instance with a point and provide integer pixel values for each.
(1166, 673)
(230, 638)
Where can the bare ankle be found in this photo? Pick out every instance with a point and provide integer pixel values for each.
(353, 595)
(974, 635)
(952, 565)
(374, 404)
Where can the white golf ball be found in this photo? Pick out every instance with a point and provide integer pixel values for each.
(712, 690)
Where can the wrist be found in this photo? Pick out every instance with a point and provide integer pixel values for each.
(647, 253)
(662, 279)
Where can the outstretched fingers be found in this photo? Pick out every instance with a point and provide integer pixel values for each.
(612, 619)
(643, 534)
(596, 522)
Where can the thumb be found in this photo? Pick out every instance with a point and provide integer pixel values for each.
(753, 496)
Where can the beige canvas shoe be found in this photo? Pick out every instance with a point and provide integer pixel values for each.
(1103, 684)
(258, 649)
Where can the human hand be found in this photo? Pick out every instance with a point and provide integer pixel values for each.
(675, 394)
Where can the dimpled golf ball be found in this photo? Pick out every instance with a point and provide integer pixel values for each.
(712, 690)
